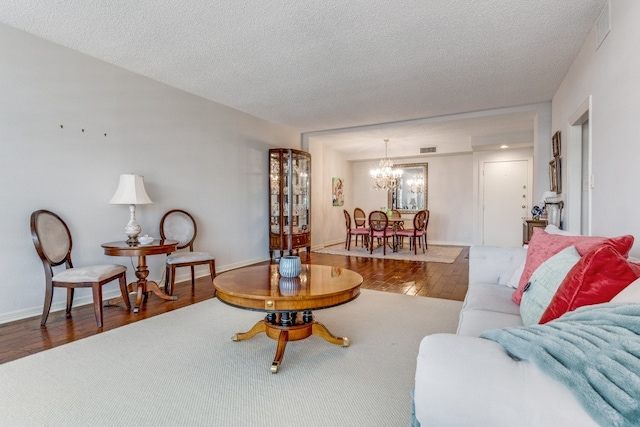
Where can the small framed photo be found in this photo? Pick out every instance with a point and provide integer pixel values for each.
(555, 144)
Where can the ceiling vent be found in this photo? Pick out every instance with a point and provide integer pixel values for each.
(424, 150)
(603, 25)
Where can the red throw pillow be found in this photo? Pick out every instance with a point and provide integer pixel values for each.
(599, 276)
(543, 246)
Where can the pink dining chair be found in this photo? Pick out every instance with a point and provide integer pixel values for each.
(379, 230)
(353, 231)
(418, 234)
(360, 219)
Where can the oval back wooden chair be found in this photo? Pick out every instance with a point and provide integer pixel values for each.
(379, 230)
(353, 231)
(416, 235)
(179, 225)
(360, 220)
(53, 243)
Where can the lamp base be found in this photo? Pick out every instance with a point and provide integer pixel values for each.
(132, 229)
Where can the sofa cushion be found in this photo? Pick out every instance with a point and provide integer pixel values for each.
(544, 283)
(474, 322)
(494, 264)
(490, 297)
(596, 278)
(543, 245)
(463, 381)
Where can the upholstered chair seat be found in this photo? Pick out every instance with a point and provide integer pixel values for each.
(93, 273)
(180, 257)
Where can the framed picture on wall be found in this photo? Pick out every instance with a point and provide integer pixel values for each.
(337, 191)
(555, 144)
(553, 175)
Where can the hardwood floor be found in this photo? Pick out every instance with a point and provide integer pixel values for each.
(24, 337)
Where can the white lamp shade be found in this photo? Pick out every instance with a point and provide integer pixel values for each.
(131, 191)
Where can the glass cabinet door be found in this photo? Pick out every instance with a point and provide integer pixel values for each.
(289, 200)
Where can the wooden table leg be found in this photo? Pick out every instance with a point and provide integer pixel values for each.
(282, 344)
(118, 299)
(289, 331)
(261, 326)
(320, 330)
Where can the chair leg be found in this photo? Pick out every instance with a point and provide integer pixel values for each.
(172, 278)
(167, 272)
(193, 275)
(349, 241)
(125, 292)
(48, 297)
(97, 302)
(70, 293)
(212, 271)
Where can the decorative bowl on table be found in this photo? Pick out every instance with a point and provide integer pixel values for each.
(145, 240)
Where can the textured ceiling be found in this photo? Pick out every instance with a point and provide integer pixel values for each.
(317, 65)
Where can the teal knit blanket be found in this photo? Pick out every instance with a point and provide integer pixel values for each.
(594, 351)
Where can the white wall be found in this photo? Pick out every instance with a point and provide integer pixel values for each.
(198, 155)
(611, 75)
(450, 197)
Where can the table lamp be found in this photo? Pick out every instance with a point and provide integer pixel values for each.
(131, 192)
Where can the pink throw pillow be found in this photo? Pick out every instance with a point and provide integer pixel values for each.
(543, 246)
(598, 277)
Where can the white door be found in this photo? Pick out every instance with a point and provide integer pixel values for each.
(506, 199)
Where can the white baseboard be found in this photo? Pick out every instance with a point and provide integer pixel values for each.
(114, 293)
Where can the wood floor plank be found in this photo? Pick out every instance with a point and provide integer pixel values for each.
(24, 337)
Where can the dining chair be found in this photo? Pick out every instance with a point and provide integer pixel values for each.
(360, 219)
(53, 243)
(417, 233)
(353, 231)
(379, 230)
(179, 225)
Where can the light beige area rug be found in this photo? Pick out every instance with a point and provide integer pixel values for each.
(182, 369)
(444, 254)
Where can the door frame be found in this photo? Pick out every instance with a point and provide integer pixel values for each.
(573, 195)
(481, 203)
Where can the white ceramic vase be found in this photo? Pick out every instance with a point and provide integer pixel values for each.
(290, 266)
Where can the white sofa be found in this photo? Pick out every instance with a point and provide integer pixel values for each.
(464, 380)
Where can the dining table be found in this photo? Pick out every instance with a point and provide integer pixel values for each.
(395, 223)
(142, 286)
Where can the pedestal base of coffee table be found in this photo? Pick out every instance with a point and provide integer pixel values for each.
(283, 328)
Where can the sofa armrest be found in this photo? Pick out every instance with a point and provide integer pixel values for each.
(493, 264)
(467, 381)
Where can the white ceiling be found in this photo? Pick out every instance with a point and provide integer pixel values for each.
(334, 64)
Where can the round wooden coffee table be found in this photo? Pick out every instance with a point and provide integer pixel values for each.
(261, 288)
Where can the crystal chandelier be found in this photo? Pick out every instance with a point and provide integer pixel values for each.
(385, 177)
(415, 184)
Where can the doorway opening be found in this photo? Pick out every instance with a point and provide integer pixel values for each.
(579, 171)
